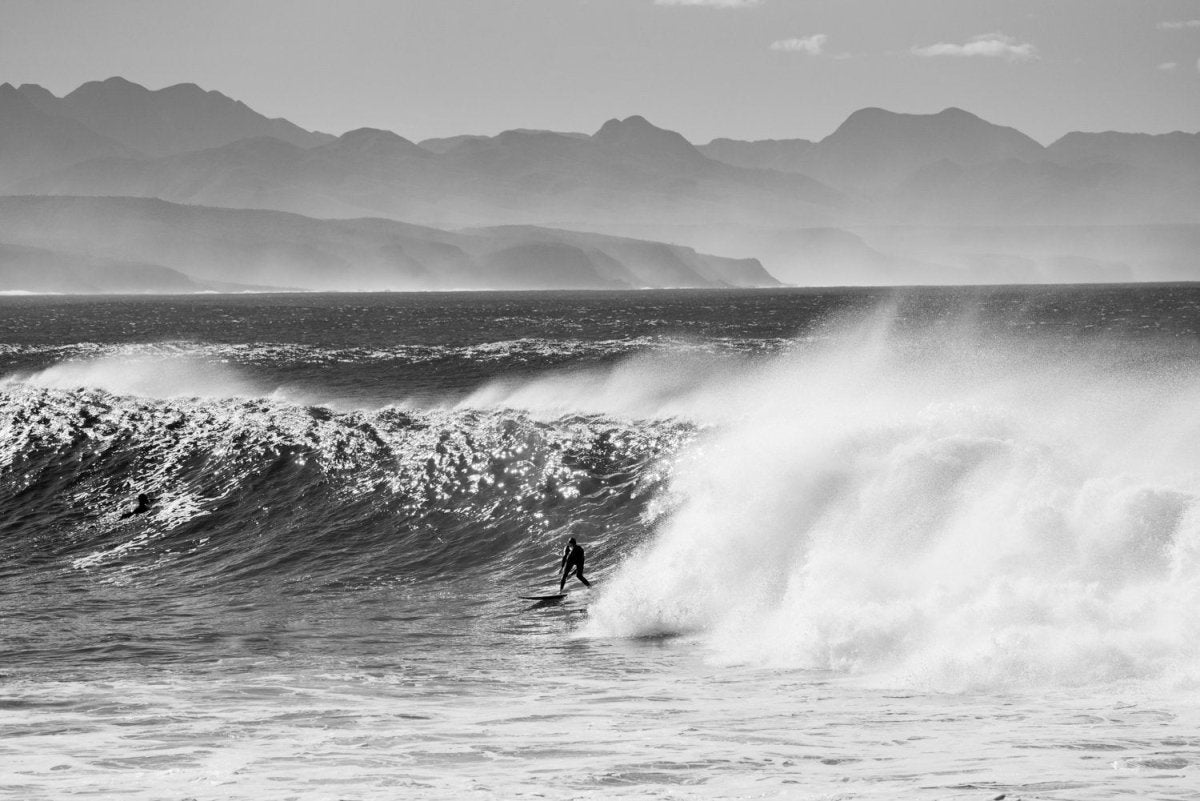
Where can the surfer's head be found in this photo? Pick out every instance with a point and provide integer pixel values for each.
(571, 541)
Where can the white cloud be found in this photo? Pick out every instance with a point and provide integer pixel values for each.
(710, 3)
(813, 45)
(986, 45)
(1179, 25)
(1168, 66)
(1198, 65)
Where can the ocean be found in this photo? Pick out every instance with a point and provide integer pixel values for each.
(935, 543)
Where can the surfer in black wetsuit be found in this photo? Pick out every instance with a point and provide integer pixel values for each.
(572, 561)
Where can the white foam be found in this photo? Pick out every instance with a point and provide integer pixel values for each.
(165, 375)
(947, 511)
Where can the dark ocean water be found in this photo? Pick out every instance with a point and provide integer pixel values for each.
(868, 541)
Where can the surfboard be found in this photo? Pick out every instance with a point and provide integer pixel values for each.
(557, 597)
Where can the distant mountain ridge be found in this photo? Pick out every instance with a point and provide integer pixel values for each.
(204, 246)
(447, 143)
(879, 168)
(875, 149)
(33, 141)
(785, 155)
(1170, 151)
(628, 169)
(188, 145)
(168, 121)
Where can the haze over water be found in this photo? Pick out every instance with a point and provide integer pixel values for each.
(852, 544)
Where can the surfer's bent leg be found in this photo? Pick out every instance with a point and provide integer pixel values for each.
(579, 575)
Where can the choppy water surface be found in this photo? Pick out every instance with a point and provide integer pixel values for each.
(845, 544)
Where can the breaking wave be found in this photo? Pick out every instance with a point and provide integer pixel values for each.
(254, 487)
(943, 508)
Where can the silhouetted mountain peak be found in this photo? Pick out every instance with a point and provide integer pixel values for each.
(875, 123)
(632, 122)
(118, 89)
(864, 117)
(15, 103)
(176, 119)
(636, 125)
(33, 140)
(528, 135)
(375, 142)
(115, 86)
(117, 81)
(638, 135)
(38, 95)
(951, 133)
(373, 135)
(952, 112)
(190, 88)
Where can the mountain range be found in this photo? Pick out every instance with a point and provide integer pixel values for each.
(813, 211)
(173, 120)
(629, 169)
(49, 241)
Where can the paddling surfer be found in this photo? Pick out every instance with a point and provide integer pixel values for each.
(572, 561)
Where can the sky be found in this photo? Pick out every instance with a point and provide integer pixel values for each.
(745, 69)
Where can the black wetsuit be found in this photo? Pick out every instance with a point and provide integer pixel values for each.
(572, 560)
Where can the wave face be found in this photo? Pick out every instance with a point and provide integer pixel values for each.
(937, 493)
(253, 489)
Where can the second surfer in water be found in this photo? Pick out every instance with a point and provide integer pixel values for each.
(572, 561)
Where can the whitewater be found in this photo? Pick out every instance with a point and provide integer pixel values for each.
(851, 544)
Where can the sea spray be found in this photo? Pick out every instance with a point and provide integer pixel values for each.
(156, 373)
(936, 511)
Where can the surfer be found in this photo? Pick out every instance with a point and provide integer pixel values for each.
(572, 561)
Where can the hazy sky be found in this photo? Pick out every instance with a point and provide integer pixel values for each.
(740, 68)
